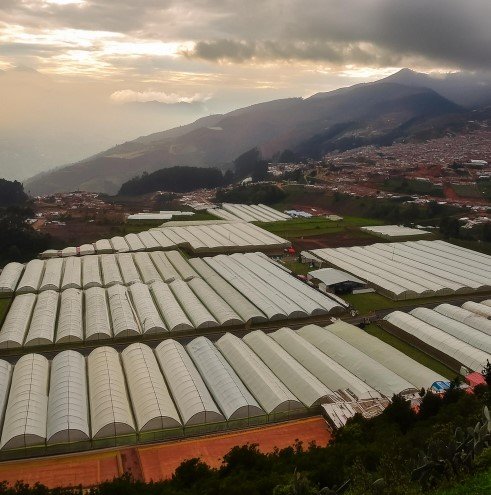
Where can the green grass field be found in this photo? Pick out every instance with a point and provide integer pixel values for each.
(410, 351)
(478, 484)
(305, 227)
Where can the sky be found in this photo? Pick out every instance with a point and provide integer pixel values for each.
(78, 76)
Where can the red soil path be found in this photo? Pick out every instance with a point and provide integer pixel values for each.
(157, 462)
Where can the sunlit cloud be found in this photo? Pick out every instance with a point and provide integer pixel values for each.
(128, 95)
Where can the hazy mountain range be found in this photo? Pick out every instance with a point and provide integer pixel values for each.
(406, 105)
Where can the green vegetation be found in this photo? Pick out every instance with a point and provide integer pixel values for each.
(305, 227)
(412, 186)
(18, 241)
(251, 194)
(378, 456)
(174, 179)
(297, 267)
(11, 193)
(410, 351)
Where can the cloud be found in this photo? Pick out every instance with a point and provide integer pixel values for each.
(128, 95)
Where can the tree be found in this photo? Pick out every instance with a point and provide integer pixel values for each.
(487, 373)
(251, 164)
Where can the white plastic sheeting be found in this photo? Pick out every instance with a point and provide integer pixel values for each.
(148, 315)
(128, 269)
(134, 242)
(5, 376)
(91, 273)
(10, 276)
(175, 318)
(52, 274)
(465, 316)
(306, 387)
(72, 274)
(152, 403)
(164, 267)
(148, 241)
(222, 312)
(328, 371)
(26, 414)
(70, 327)
(242, 306)
(86, 249)
(123, 319)
(110, 270)
(16, 323)
(119, 244)
(195, 404)
(360, 364)
(103, 246)
(459, 330)
(43, 322)
(196, 311)
(468, 356)
(413, 269)
(227, 389)
(149, 273)
(269, 391)
(110, 410)
(68, 408)
(97, 322)
(69, 251)
(31, 278)
(478, 308)
(401, 364)
(182, 267)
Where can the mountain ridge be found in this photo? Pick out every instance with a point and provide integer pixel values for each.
(363, 113)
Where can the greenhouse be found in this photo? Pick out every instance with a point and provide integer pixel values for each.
(150, 320)
(266, 387)
(151, 399)
(43, 322)
(68, 411)
(10, 276)
(360, 364)
(123, 319)
(227, 389)
(195, 404)
(31, 278)
(446, 347)
(91, 274)
(398, 362)
(459, 330)
(97, 322)
(328, 371)
(70, 327)
(26, 413)
(72, 274)
(465, 316)
(17, 321)
(110, 410)
(300, 381)
(481, 309)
